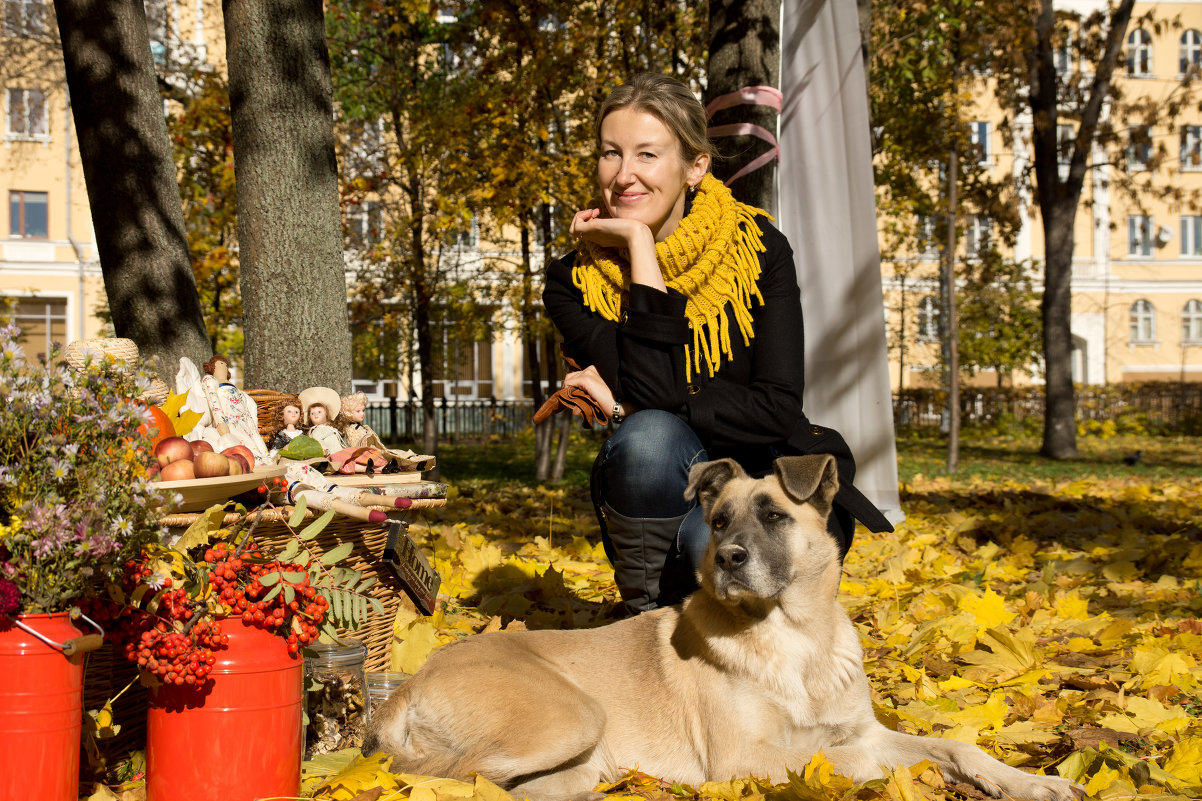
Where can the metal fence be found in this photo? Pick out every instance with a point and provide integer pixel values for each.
(1170, 406)
(1167, 405)
(404, 419)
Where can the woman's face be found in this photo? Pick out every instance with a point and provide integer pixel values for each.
(317, 415)
(641, 173)
(291, 415)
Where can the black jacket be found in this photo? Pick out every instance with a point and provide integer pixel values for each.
(752, 404)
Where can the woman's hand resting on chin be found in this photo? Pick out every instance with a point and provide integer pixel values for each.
(633, 236)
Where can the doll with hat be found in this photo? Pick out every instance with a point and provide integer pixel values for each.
(319, 407)
(359, 434)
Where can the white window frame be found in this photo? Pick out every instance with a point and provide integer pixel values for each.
(980, 139)
(41, 126)
(1139, 54)
(1139, 235)
(1191, 322)
(977, 233)
(1142, 322)
(1138, 154)
(928, 319)
(1191, 236)
(361, 219)
(1189, 52)
(1191, 147)
(17, 228)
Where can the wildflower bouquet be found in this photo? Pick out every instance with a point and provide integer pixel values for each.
(75, 502)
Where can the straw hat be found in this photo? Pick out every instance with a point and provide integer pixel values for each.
(323, 395)
(123, 351)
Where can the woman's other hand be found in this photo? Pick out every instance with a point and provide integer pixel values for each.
(591, 382)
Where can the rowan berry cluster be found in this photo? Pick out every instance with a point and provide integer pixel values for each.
(172, 637)
(270, 594)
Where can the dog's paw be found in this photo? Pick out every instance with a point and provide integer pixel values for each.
(1043, 788)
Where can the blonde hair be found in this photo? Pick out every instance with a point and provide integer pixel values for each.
(670, 102)
(352, 402)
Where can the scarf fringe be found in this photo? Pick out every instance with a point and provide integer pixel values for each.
(712, 258)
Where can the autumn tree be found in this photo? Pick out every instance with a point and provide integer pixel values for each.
(130, 176)
(293, 277)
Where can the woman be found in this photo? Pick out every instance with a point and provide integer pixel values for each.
(682, 304)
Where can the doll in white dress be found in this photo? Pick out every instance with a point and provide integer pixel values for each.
(228, 416)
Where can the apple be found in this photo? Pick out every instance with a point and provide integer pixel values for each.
(199, 446)
(173, 449)
(179, 470)
(212, 465)
(235, 465)
(245, 452)
(241, 461)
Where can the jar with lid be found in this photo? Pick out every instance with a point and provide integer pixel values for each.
(380, 686)
(335, 698)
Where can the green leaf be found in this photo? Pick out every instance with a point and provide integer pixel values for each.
(317, 526)
(290, 551)
(377, 605)
(268, 579)
(337, 554)
(298, 514)
(289, 593)
(273, 592)
(367, 582)
(295, 576)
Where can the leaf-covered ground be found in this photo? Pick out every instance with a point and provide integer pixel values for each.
(1051, 617)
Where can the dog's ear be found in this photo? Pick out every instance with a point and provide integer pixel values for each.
(811, 478)
(707, 479)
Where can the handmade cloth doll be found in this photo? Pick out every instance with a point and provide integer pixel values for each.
(358, 434)
(229, 416)
(320, 406)
(319, 493)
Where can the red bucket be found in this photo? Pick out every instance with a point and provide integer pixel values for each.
(238, 737)
(41, 697)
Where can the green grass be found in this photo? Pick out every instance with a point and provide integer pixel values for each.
(986, 456)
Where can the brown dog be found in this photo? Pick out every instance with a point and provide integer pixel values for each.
(750, 676)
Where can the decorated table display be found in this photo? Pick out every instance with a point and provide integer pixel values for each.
(75, 505)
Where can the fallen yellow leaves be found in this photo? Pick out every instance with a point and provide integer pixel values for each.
(1056, 626)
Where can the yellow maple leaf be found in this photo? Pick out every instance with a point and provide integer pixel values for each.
(988, 610)
(1105, 777)
(1185, 761)
(1146, 713)
(364, 773)
(989, 715)
(411, 649)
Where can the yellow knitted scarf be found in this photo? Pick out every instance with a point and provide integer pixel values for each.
(711, 258)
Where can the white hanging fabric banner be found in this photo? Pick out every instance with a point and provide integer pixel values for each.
(828, 211)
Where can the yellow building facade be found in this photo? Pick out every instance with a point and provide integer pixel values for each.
(1137, 265)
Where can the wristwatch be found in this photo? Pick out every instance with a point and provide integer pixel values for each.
(615, 414)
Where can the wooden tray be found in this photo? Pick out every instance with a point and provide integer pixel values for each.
(201, 493)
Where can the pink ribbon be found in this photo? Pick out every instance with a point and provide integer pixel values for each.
(751, 96)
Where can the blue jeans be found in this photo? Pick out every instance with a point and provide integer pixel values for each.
(652, 535)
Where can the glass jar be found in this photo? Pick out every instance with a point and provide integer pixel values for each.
(335, 700)
(380, 686)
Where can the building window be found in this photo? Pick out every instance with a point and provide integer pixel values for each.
(1143, 322)
(1065, 136)
(466, 238)
(1191, 147)
(42, 321)
(26, 115)
(364, 226)
(1063, 53)
(1190, 55)
(1139, 53)
(1191, 236)
(980, 141)
(977, 234)
(928, 319)
(1139, 235)
(27, 215)
(1139, 147)
(928, 242)
(24, 17)
(1191, 323)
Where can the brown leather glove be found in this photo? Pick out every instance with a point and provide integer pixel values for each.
(575, 400)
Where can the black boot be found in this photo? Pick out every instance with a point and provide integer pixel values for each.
(639, 548)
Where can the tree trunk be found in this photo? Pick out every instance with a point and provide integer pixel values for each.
(1060, 423)
(293, 278)
(130, 174)
(953, 325)
(744, 51)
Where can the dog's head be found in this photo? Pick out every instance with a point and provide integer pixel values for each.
(767, 535)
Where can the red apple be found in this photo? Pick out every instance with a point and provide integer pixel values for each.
(245, 452)
(178, 470)
(199, 446)
(173, 449)
(247, 466)
(212, 465)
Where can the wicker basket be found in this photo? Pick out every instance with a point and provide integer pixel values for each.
(268, 402)
(369, 539)
(124, 351)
